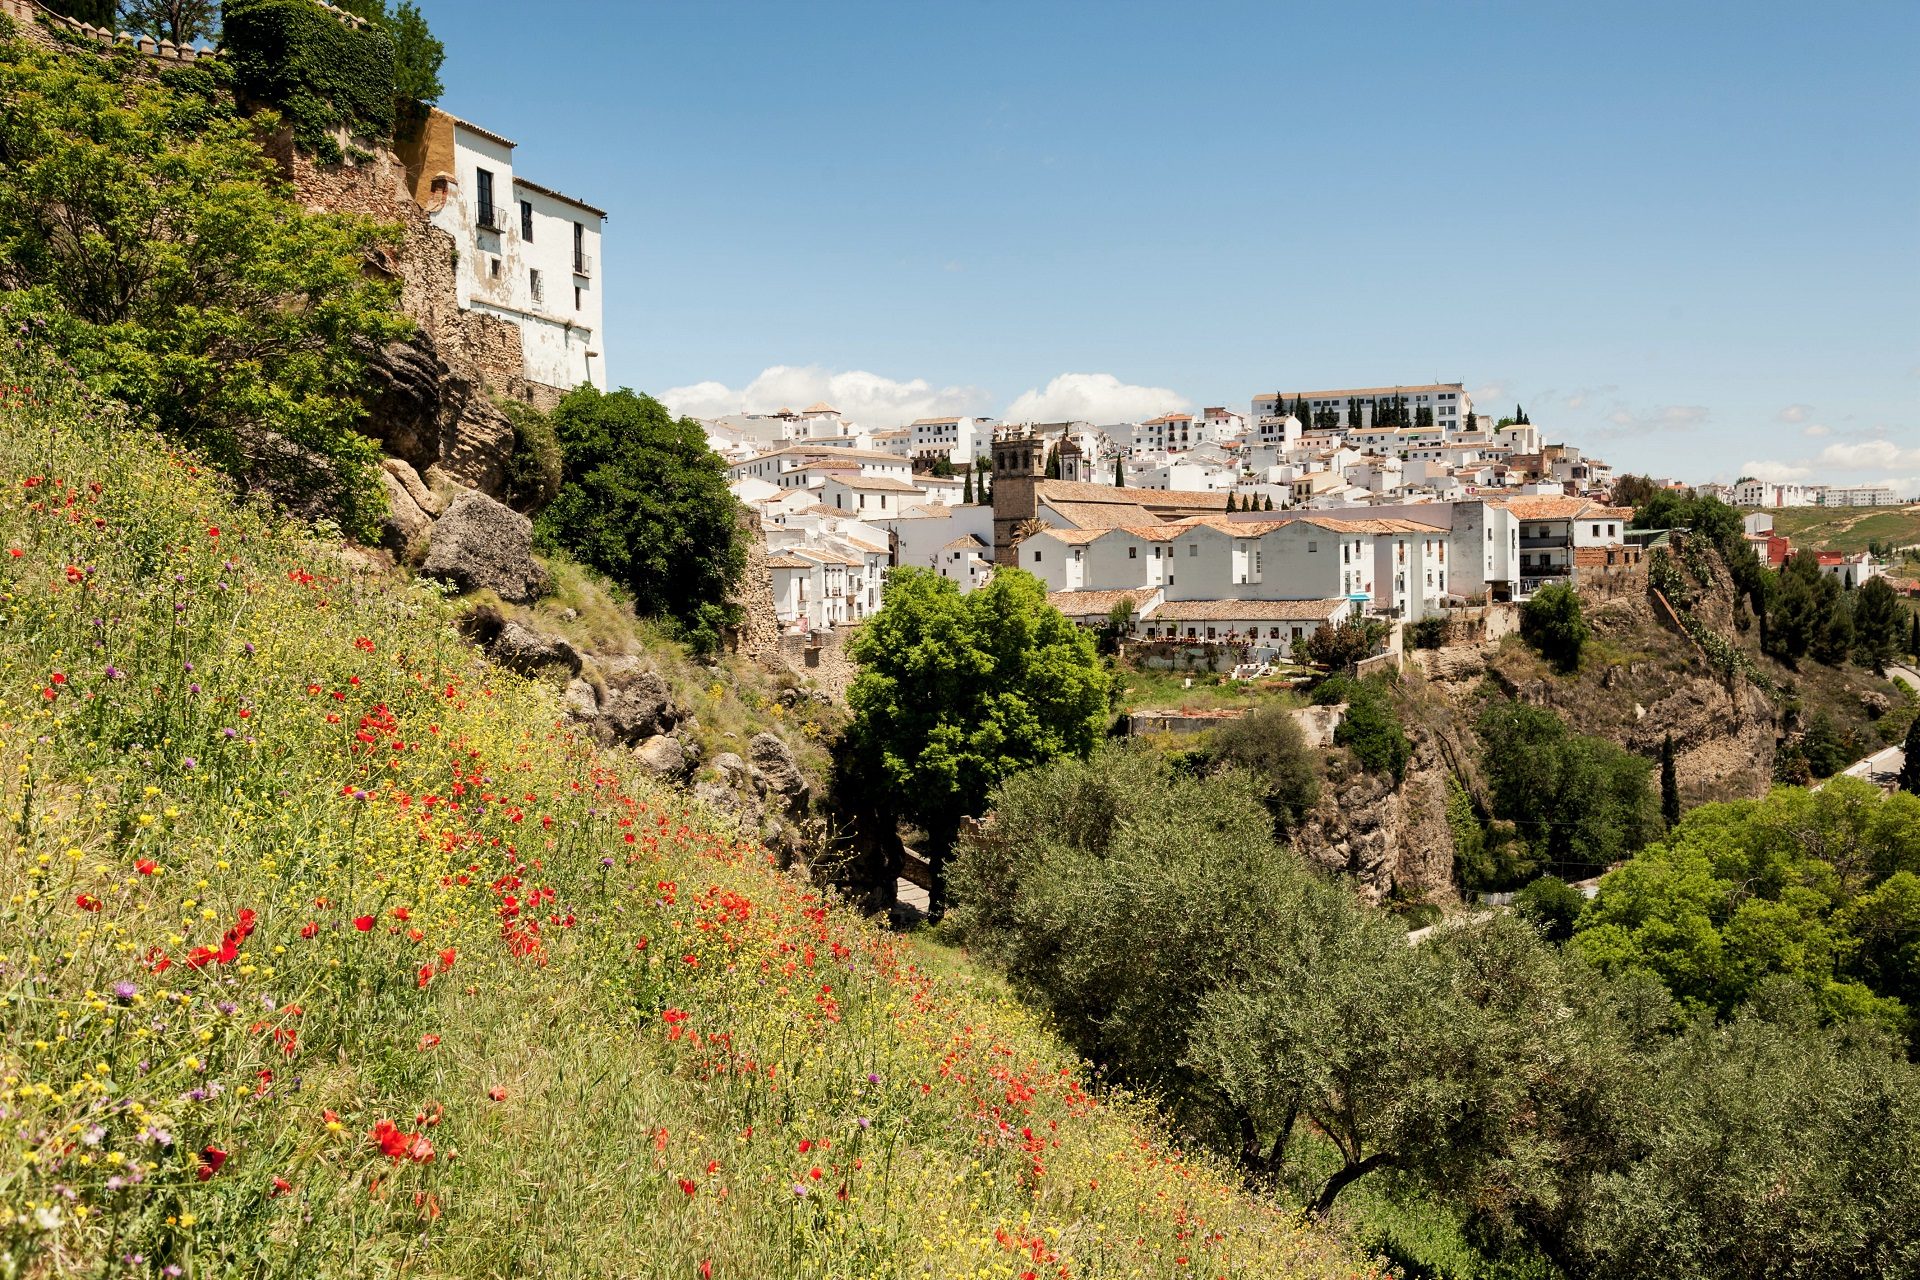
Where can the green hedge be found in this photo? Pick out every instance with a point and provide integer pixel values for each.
(319, 71)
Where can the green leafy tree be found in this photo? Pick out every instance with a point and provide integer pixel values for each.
(1876, 625)
(1793, 616)
(167, 259)
(1552, 622)
(96, 13)
(957, 692)
(1632, 490)
(1826, 749)
(1551, 905)
(1348, 643)
(1268, 744)
(1669, 784)
(1910, 765)
(645, 501)
(417, 53)
(181, 21)
(1833, 636)
(1580, 803)
(1371, 729)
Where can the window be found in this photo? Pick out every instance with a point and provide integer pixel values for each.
(1036, 557)
(493, 267)
(533, 284)
(1313, 546)
(483, 198)
(526, 221)
(1133, 553)
(1193, 549)
(576, 297)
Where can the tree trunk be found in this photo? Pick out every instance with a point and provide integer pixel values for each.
(1323, 1204)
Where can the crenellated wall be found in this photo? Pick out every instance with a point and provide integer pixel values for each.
(35, 18)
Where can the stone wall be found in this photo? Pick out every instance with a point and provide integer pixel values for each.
(38, 22)
(759, 636)
(822, 658)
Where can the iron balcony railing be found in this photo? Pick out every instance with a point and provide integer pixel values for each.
(492, 217)
(582, 263)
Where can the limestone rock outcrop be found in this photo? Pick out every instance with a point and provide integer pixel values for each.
(427, 415)
(481, 544)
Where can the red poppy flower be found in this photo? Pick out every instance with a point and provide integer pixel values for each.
(363, 923)
(211, 1158)
(146, 866)
(428, 1041)
(280, 1187)
(689, 1186)
(87, 902)
(201, 957)
(310, 928)
(497, 1093)
(391, 1139)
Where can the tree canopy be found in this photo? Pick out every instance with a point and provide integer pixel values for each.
(957, 692)
(157, 247)
(644, 500)
(1822, 887)
(1551, 621)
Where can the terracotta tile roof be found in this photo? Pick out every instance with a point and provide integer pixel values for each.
(935, 422)
(1083, 604)
(967, 543)
(1101, 515)
(881, 484)
(1074, 537)
(1545, 507)
(1057, 491)
(1248, 610)
(785, 561)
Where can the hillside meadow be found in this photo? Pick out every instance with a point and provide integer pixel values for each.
(329, 950)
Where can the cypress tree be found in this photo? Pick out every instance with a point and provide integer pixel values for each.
(1119, 473)
(1910, 767)
(1913, 639)
(1669, 785)
(966, 493)
(1269, 502)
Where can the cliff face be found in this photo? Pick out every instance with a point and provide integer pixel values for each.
(1385, 837)
(429, 399)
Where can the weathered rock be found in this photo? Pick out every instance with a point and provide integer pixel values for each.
(479, 544)
(405, 525)
(528, 651)
(639, 707)
(1874, 703)
(778, 770)
(732, 769)
(664, 755)
(424, 498)
(424, 413)
(1385, 837)
(580, 701)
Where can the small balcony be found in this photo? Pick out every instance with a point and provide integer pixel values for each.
(491, 217)
(582, 263)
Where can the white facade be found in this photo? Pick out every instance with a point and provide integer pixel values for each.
(1448, 401)
(959, 440)
(1859, 496)
(528, 255)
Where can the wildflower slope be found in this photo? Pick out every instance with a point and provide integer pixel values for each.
(328, 949)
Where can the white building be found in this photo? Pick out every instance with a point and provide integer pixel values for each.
(525, 253)
(1859, 496)
(1448, 401)
(958, 440)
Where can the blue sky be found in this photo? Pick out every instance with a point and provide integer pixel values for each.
(1685, 236)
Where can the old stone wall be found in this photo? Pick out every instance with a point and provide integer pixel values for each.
(759, 636)
(38, 22)
(822, 658)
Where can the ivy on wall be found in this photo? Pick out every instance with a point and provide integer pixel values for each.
(320, 72)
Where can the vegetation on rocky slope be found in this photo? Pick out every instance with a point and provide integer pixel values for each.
(331, 950)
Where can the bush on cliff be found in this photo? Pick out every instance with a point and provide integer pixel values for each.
(145, 234)
(645, 501)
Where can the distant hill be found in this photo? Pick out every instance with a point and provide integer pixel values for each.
(1848, 529)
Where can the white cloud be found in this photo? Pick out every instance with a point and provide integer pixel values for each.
(1816, 430)
(1869, 455)
(1672, 417)
(867, 398)
(1093, 397)
(1794, 413)
(1490, 392)
(1581, 398)
(1774, 471)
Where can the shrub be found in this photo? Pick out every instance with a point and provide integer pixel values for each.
(1430, 633)
(1371, 729)
(537, 466)
(1553, 624)
(1348, 643)
(159, 250)
(1552, 905)
(1580, 803)
(1268, 744)
(645, 501)
(320, 72)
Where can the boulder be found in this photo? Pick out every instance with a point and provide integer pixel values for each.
(405, 524)
(731, 768)
(663, 755)
(480, 544)
(424, 498)
(527, 651)
(580, 701)
(778, 771)
(637, 708)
